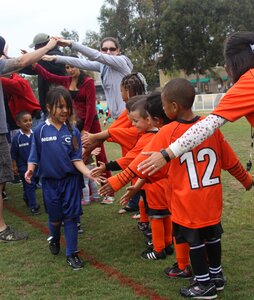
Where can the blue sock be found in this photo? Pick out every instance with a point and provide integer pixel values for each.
(71, 236)
(55, 230)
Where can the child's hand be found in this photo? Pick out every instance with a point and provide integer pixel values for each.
(87, 138)
(96, 151)
(106, 189)
(28, 176)
(130, 192)
(99, 170)
(15, 171)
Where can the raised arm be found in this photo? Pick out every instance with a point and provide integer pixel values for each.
(14, 64)
(193, 137)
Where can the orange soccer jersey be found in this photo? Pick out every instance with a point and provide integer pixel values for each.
(195, 177)
(239, 100)
(123, 133)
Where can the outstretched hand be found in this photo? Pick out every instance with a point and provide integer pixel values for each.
(48, 57)
(130, 192)
(152, 164)
(99, 170)
(106, 189)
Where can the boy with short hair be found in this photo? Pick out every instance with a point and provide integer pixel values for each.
(20, 150)
(196, 189)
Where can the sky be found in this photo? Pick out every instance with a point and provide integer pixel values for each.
(21, 20)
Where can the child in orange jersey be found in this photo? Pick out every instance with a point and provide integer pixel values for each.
(155, 197)
(196, 189)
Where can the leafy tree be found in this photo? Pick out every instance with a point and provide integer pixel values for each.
(69, 35)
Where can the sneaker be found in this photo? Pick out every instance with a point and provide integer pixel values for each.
(143, 226)
(198, 291)
(219, 281)
(36, 210)
(108, 200)
(136, 216)
(148, 233)
(126, 209)
(149, 243)
(175, 272)
(169, 249)
(4, 196)
(85, 202)
(54, 246)
(80, 230)
(150, 254)
(74, 261)
(12, 235)
(95, 199)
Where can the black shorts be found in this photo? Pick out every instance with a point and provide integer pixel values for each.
(197, 236)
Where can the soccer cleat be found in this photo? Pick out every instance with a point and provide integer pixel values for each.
(198, 291)
(54, 246)
(36, 210)
(4, 196)
(108, 200)
(80, 229)
(149, 243)
(12, 235)
(219, 281)
(150, 254)
(175, 272)
(169, 249)
(74, 261)
(143, 226)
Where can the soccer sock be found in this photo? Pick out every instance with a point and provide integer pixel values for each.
(199, 263)
(167, 230)
(71, 236)
(158, 234)
(213, 249)
(182, 252)
(142, 209)
(55, 230)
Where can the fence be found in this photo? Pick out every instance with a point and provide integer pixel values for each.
(206, 102)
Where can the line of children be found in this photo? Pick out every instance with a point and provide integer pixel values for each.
(154, 195)
(131, 85)
(196, 189)
(20, 149)
(56, 150)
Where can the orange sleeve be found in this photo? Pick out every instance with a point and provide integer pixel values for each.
(239, 100)
(120, 180)
(125, 137)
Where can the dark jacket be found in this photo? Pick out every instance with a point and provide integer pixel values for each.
(44, 85)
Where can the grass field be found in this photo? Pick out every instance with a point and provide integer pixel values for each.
(111, 247)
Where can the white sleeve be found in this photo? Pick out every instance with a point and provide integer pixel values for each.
(80, 63)
(196, 134)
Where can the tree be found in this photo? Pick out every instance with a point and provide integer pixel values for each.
(69, 35)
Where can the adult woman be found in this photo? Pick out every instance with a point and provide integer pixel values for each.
(108, 61)
(82, 90)
(237, 102)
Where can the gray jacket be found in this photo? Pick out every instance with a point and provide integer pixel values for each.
(112, 68)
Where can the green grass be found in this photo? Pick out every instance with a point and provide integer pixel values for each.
(29, 271)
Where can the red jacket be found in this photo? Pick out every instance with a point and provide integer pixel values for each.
(84, 103)
(19, 95)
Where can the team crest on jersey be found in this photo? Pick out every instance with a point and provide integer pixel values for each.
(66, 139)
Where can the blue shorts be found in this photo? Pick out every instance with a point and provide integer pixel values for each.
(62, 197)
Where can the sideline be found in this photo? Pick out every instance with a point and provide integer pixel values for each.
(124, 280)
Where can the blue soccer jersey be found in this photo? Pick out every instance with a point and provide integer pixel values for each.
(53, 151)
(20, 150)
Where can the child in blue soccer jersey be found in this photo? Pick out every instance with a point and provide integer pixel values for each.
(20, 149)
(56, 149)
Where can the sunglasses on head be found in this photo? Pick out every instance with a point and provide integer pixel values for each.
(105, 49)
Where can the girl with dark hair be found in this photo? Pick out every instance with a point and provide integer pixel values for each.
(60, 174)
(238, 102)
(83, 94)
